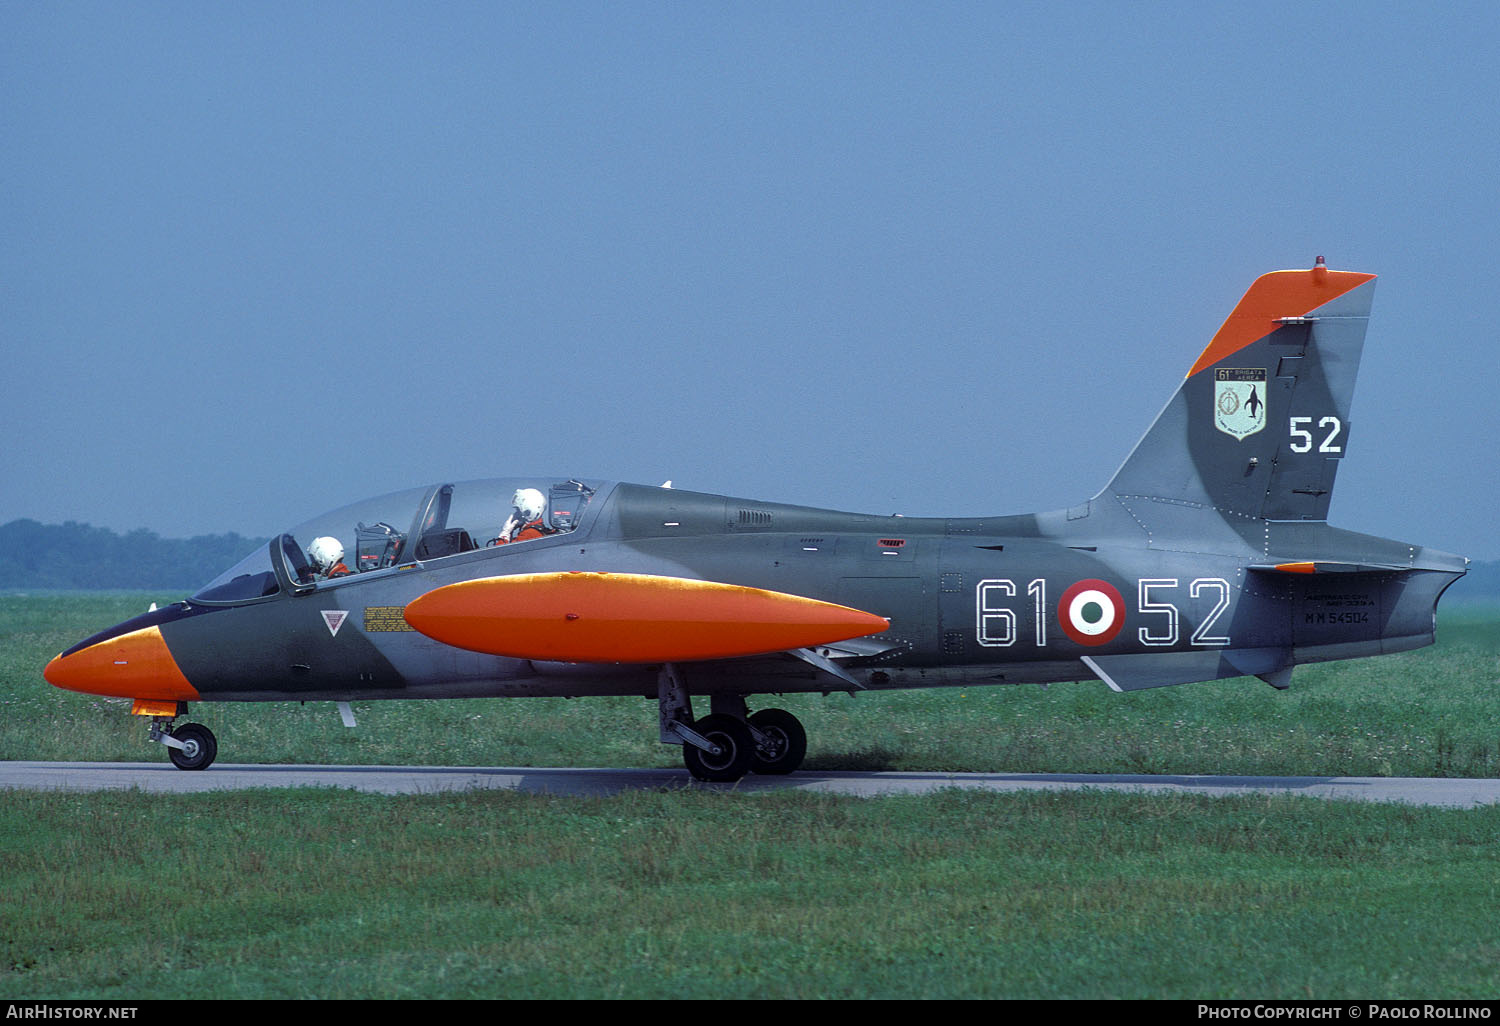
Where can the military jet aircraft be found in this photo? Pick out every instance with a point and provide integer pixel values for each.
(1208, 555)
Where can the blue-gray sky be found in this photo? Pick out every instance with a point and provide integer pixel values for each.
(259, 260)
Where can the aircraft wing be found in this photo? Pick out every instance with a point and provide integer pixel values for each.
(822, 664)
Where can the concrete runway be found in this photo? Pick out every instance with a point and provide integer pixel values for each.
(163, 777)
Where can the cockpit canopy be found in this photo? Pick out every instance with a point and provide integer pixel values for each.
(403, 528)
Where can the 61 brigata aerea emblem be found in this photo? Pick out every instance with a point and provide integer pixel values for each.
(1240, 400)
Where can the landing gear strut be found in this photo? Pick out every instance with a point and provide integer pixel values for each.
(723, 746)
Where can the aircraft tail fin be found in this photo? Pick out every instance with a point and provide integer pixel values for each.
(1260, 424)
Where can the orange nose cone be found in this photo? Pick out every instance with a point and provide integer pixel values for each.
(134, 665)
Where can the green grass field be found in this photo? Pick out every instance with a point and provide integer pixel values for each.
(696, 893)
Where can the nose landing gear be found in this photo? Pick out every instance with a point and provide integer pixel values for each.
(191, 746)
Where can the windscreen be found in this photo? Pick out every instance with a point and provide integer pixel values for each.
(410, 526)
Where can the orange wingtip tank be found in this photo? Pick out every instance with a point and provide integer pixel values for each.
(588, 617)
(134, 665)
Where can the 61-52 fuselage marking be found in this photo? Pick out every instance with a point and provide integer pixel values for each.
(1092, 612)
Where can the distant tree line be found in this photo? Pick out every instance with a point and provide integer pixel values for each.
(79, 556)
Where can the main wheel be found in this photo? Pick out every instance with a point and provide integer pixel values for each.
(198, 750)
(786, 745)
(736, 748)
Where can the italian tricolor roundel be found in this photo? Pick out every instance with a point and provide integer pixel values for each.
(1092, 612)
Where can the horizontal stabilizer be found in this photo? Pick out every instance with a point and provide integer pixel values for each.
(589, 617)
(1327, 566)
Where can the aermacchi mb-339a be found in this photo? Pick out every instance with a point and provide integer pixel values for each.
(1208, 555)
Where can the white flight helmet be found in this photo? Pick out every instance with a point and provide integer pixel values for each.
(325, 553)
(529, 504)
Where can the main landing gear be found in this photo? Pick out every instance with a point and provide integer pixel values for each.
(191, 746)
(728, 743)
(721, 747)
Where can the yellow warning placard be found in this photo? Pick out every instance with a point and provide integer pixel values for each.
(385, 618)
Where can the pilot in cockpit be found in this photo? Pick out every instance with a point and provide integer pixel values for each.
(327, 557)
(526, 521)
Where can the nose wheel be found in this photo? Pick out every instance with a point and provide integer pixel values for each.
(191, 746)
(199, 747)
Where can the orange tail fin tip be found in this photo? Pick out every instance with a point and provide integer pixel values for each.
(1272, 298)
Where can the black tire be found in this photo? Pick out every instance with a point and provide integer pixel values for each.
(736, 744)
(201, 748)
(788, 744)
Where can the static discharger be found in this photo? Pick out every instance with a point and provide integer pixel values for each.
(579, 616)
